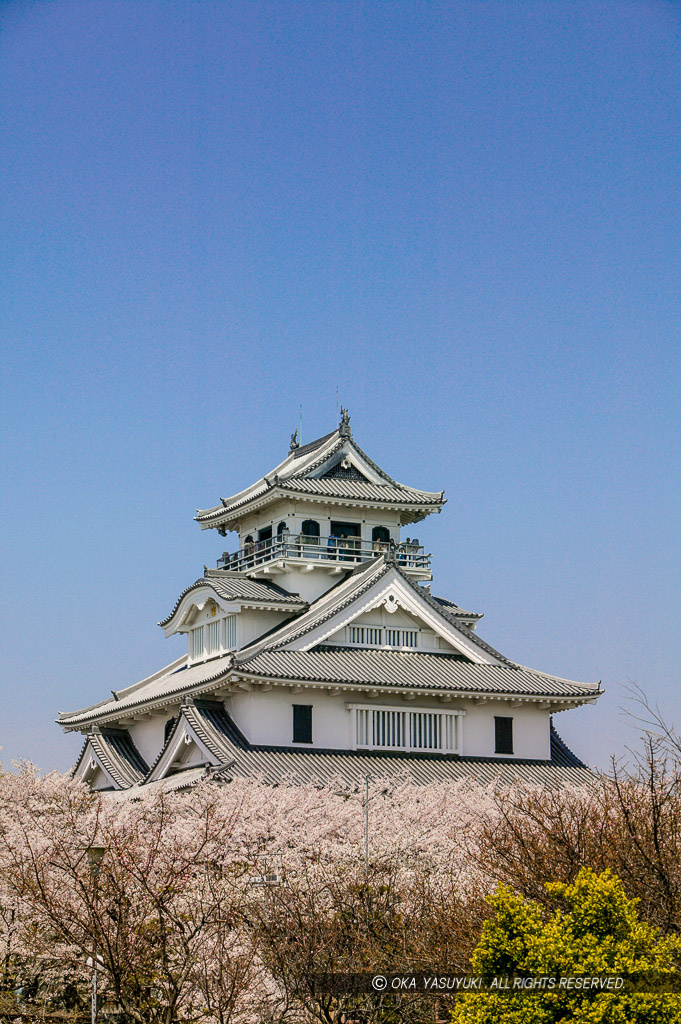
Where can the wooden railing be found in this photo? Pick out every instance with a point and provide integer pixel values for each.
(329, 549)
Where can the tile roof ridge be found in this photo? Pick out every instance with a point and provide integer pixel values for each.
(305, 449)
(576, 761)
(460, 612)
(224, 575)
(560, 679)
(456, 623)
(121, 770)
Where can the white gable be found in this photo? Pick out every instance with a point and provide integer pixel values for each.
(348, 458)
(92, 772)
(394, 628)
(185, 750)
(390, 596)
(200, 605)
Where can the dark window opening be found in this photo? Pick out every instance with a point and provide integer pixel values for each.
(310, 532)
(302, 723)
(265, 534)
(282, 528)
(503, 735)
(345, 529)
(381, 534)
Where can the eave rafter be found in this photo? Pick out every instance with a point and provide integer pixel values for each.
(242, 682)
(412, 512)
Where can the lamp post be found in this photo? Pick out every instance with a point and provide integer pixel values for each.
(366, 826)
(95, 856)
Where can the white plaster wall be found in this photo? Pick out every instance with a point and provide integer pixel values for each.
(267, 718)
(253, 622)
(531, 729)
(148, 735)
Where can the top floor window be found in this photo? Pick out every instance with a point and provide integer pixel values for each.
(310, 532)
(380, 535)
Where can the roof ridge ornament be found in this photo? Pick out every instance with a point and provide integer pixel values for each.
(344, 425)
(294, 441)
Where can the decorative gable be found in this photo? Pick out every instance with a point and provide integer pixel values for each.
(184, 749)
(390, 612)
(390, 626)
(344, 470)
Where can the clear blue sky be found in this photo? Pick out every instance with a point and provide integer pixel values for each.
(465, 215)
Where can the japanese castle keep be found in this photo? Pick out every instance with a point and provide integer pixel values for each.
(316, 651)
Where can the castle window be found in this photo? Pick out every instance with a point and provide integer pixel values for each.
(302, 723)
(380, 534)
(213, 644)
(310, 531)
(377, 728)
(503, 735)
(401, 637)
(229, 639)
(196, 643)
(376, 636)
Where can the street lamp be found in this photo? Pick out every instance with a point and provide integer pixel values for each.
(95, 856)
(366, 824)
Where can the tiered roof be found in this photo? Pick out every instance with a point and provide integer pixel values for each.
(229, 755)
(316, 472)
(299, 650)
(308, 650)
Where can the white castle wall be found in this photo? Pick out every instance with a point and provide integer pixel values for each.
(267, 718)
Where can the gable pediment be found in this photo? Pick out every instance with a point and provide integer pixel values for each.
(394, 606)
(347, 464)
(184, 749)
(92, 771)
(344, 470)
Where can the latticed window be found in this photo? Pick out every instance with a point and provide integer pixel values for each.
(196, 642)
(213, 639)
(378, 728)
(401, 637)
(377, 636)
(229, 632)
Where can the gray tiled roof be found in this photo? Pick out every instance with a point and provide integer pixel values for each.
(161, 689)
(277, 765)
(410, 670)
(454, 610)
(293, 475)
(362, 490)
(237, 586)
(348, 590)
(118, 754)
(312, 446)
(561, 753)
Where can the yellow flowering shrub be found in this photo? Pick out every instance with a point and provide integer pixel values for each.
(596, 933)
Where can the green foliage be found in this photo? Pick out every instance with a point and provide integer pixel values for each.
(596, 931)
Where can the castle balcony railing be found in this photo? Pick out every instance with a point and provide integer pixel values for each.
(336, 553)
